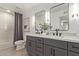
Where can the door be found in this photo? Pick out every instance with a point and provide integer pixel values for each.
(39, 49)
(49, 51)
(60, 52)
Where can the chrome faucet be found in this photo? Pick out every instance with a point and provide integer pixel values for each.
(57, 33)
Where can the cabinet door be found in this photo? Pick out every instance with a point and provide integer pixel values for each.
(60, 52)
(70, 53)
(48, 50)
(39, 47)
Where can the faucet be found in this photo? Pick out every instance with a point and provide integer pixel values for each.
(57, 33)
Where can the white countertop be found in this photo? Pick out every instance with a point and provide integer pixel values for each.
(63, 38)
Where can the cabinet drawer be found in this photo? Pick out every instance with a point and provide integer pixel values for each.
(56, 43)
(30, 43)
(31, 38)
(72, 54)
(39, 40)
(73, 46)
(39, 45)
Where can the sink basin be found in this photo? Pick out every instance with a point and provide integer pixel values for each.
(57, 37)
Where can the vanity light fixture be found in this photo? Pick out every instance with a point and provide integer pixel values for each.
(47, 17)
(8, 10)
(75, 11)
(33, 20)
(75, 15)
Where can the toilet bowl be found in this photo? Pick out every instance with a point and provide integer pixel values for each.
(20, 44)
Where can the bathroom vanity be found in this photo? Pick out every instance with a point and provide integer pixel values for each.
(43, 45)
(53, 45)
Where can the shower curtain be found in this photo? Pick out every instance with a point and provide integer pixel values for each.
(18, 34)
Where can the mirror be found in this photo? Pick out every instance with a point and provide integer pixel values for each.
(39, 19)
(59, 17)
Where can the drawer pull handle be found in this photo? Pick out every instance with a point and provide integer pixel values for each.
(75, 47)
(51, 51)
(54, 52)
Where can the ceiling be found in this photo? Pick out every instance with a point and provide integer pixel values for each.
(25, 7)
(22, 6)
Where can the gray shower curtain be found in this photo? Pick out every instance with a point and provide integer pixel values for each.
(18, 34)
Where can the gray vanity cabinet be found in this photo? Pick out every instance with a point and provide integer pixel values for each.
(37, 46)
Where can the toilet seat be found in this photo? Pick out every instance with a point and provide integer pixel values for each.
(20, 44)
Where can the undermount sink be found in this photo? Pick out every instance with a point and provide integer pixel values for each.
(58, 37)
(70, 37)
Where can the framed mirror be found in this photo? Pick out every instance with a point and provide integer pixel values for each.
(39, 19)
(59, 17)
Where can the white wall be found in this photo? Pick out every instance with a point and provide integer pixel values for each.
(73, 23)
(35, 9)
(31, 13)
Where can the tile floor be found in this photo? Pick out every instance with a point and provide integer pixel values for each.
(12, 52)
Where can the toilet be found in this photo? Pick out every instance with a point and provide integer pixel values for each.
(20, 44)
